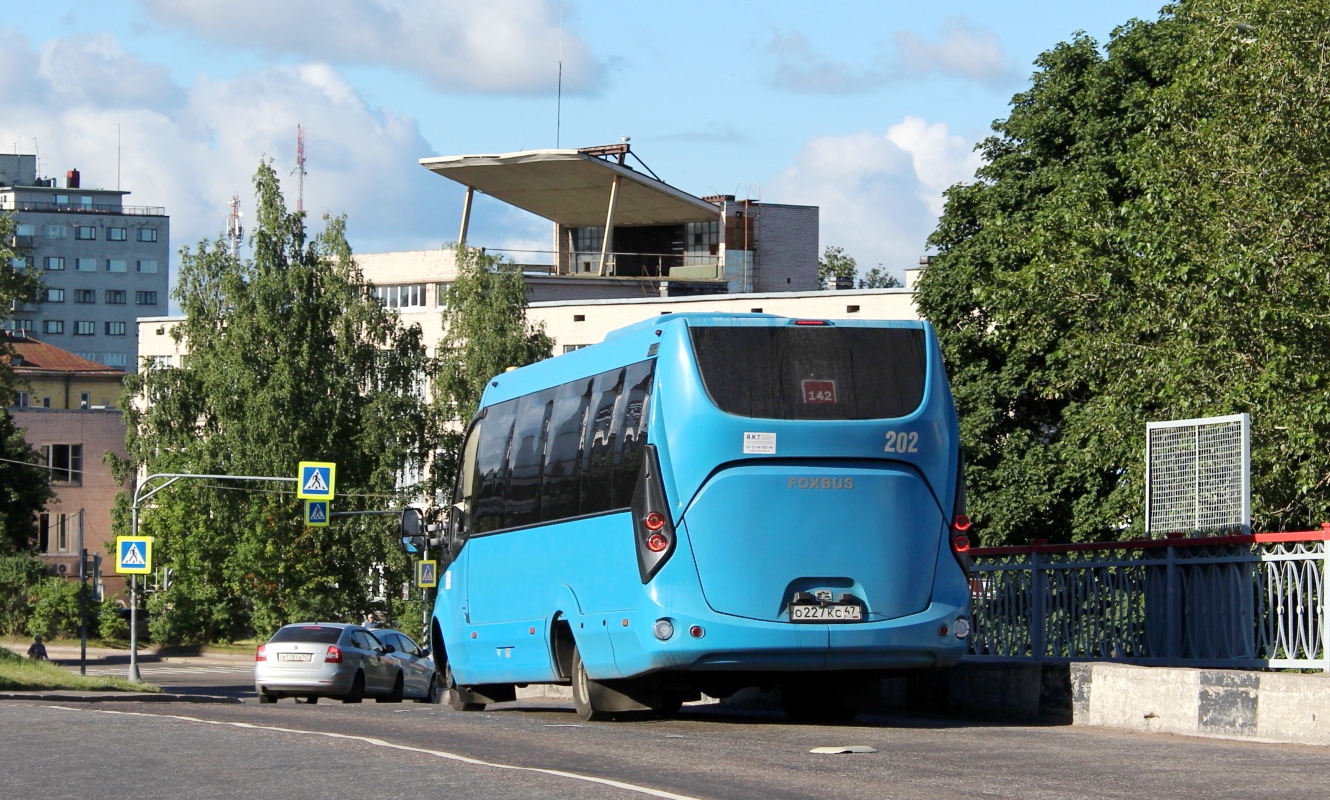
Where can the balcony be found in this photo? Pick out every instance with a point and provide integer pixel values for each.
(95, 208)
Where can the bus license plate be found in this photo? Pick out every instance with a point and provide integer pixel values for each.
(845, 613)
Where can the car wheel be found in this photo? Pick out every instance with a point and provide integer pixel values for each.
(357, 692)
(311, 700)
(582, 692)
(265, 698)
(435, 694)
(396, 695)
(454, 692)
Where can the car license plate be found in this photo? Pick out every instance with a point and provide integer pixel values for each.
(832, 613)
(293, 656)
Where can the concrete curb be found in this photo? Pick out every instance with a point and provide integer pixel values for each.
(116, 697)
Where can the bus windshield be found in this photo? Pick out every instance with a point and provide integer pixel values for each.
(812, 372)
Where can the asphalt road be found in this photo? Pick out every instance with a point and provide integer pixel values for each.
(539, 749)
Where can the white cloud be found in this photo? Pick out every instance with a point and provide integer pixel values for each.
(190, 154)
(880, 195)
(491, 46)
(965, 51)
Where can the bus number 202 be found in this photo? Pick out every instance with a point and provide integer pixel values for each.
(902, 442)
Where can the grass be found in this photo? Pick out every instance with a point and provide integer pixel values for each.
(19, 674)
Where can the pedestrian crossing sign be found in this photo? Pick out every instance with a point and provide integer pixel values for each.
(133, 555)
(427, 574)
(316, 479)
(316, 513)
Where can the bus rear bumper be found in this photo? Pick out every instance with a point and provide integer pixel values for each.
(730, 643)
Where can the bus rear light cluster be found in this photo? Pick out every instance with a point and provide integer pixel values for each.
(961, 627)
(696, 632)
(652, 527)
(664, 629)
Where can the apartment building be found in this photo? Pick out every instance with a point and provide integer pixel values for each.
(103, 263)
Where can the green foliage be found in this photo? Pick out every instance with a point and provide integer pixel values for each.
(19, 577)
(24, 490)
(879, 278)
(835, 263)
(17, 285)
(111, 626)
(291, 358)
(1146, 241)
(485, 333)
(19, 673)
(56, 610)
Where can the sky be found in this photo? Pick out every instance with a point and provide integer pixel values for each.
(869, 109)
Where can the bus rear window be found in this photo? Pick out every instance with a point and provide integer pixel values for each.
(812, 372)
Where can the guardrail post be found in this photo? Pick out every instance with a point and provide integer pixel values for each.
(1038, 605)
(1173, 626)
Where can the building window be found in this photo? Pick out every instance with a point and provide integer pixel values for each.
(56, 532)
(21, 399)
(568, 348)
(115, 329)
(53, 231)
(159, 362)
(53, 326)
(85, 232)
(53, 296)
(85, 265)
(86, 201)
(84, 399)
(62, 199)
(115, 297)
(55, 263)
(18, 325)
(23, 262)
(116, 234)
(148, 266)
(115, 359)
(145, 298)
(66, 462)
(147, 234)
(85, 295)
(25, 229)
(410, 295)
(85, 328)
(117, 265)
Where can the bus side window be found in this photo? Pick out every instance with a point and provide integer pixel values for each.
(464, 490)
(526, 459)
(492, 468)
(563, 454)
(632, 431)
(598, 448)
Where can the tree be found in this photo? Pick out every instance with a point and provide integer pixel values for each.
(1144, 242)
(835, 263)
(485, 333)
(25, 488)
(18, 285)
(879, 278)
(290, 358)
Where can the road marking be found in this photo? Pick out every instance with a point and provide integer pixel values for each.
(558, 773)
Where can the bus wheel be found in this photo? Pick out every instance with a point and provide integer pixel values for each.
(582, 692)
(457, 695)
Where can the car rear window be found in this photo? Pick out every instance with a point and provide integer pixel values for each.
(318, 634)
(812, 371)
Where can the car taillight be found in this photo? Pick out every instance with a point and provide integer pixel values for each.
(334, 655)
(260, 655)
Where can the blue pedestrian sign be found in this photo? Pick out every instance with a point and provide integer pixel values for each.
(317, 513)
(316, 480)
(427, 574)
(133, 555)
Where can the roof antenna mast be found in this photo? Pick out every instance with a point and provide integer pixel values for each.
(300, 170)
(234, 232)
(558, 103)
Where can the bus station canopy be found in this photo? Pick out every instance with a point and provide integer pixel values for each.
(572, 188)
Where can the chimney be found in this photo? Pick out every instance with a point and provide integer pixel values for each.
(72, 179)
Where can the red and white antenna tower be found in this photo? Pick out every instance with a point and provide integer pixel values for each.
(300, 169)
(234, 233)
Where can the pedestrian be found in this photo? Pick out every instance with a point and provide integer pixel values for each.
(37, 650)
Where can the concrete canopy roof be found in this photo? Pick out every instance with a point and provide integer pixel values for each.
(573, 188)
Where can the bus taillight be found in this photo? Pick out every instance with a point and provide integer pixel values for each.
(657, 543)
(652, 526)
(654, 522)
(961, 523)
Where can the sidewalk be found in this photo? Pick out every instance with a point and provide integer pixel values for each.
(67, 656)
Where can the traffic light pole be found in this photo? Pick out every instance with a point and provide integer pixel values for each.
(140, 496)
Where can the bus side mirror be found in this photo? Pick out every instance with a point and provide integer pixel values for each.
(411, 530)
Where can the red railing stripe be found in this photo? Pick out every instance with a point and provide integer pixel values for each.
(1321, 535)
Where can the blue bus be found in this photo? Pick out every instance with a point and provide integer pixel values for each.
(703, 503)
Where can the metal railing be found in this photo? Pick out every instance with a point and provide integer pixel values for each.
(94, 208)
(1241, 601)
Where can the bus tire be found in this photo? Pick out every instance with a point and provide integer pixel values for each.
(582, 692)
(456, 694)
